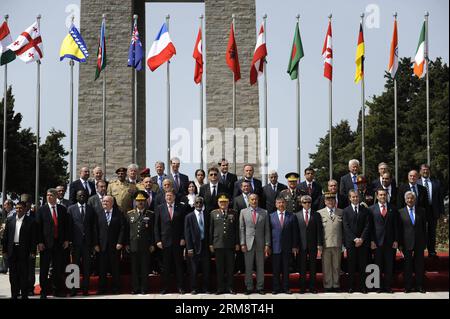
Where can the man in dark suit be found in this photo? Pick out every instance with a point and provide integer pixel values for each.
(241, 202)
(340, 201)
(169, 236)
(111, 238)
(309, 229)
(384, 237)
(98, 176)
(348, 181)
(19, 246)
(356, 223)
(226, 178)
(83, 236)
(284, 236)
(95, 201)
(147, 184)
(391, 189)
(196, 233)
(180, 181)
(272, 190)
(224, 241)
(310, 186)
(53, 236)
(418, 190)
(412, 241)
(383, 168)
(435, 205)
(27, 199)
(255, 184)
(82, 183)
(160, 175)
(61, 191)
(210, 190)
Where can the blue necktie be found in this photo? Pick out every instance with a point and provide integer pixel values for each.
(201, 225)
(413, 188)
(355, 186)
(411, 215)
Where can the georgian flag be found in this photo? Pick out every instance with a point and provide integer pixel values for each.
(28, 45)
(257, 66)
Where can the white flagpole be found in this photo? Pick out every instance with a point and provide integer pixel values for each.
(38, 111)
(5, 132)
(266, 139)
(135, 146)
(363, 109)
(104, 107)
(168, 101)
(298, 113)
(234, 106)
(395, 121)
(71, 64)
(427, 88)
(330, 125)
(201, 100)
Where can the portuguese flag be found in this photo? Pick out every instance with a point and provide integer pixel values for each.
(296, 54)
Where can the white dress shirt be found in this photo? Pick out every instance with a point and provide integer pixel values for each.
(18, 226)
(51, 210)
(88, 188)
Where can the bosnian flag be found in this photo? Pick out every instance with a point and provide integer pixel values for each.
(28, 45)
(257, 66)
(162, 49)
(327, 54)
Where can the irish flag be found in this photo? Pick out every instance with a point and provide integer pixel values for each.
(419, 59)
(6, 55)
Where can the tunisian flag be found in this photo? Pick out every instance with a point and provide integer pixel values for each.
(327, 54)
(257, 66)
(232, 56)
(198, 56)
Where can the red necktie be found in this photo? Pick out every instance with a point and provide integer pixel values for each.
(306, 218)
(310, 188)
(282, 219)
(383, 210)
(254, 216)
(170, 212)
(55, 222)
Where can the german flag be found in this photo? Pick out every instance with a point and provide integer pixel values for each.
(359, 60)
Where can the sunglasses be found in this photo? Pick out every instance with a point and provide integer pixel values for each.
(306, 202)
(213, 174)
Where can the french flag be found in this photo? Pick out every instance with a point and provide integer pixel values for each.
(162, 49)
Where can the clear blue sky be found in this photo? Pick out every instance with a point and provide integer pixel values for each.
(280, 27)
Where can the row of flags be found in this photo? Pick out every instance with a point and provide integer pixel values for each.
(28, 47)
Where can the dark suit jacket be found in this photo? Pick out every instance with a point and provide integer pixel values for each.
(210, 202)
(167, 231)
(155, 180)
(270, 196)
(345, 184)
(356, 225)
(228, 183)
(309, 237)
(392, 199)
(316, 190)
(83, 232)
(258, 189)
(110, 236)
(342, 202)
(65, 202)
(184, 183)
(95, 203)
(421, 200)
(45, 225)
(412, 236)
(384, 229)
(152, 203)
(283, 238)
(437, 198)
(192, 232)
(75, 186)
(239, 204)
(161, 198)
(27, 236)
(377, 184)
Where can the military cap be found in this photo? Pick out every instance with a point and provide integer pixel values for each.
(292, 177)
(145, 172)
(121, 169)
(361, 179)
(223, 197)
(330, 195)
(140, 195)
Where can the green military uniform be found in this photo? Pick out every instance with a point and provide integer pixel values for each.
(224, 235)
(292, 199)
(121, 192)
(140, 240)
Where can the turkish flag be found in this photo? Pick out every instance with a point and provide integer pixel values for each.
(232, 56)
(198, 56)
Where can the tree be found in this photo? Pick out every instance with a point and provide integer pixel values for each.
(21, 155)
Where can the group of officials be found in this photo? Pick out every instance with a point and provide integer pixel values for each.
(159, 221)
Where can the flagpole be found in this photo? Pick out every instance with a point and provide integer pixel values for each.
(201, 100)
(395, 121)
(427, 88)
(266, 140)
(5, 110)
(298, 113)
(135, 17)
(330, 103)
(71, 64)
(38, 111)
(168, 101)
(363, 110)
(234, 110)
(104, 109)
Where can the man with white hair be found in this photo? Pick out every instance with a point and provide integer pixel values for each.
(160, 175)
(98, 175)
(271, 191)
(348, 181)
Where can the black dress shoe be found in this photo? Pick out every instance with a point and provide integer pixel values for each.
(231, 291)
(134, 292)
(364, 290)
(85, 293)
(60, 295)
(43, 296)
(302, 291)
(350, 291)
(337, 289)
(379, 291)
(288, 292)
(144, 291)
(163, 292)
(219, 292)
(421, 290)
(261, 292)
(194, 292)
(313, 290)
(329, 290)
(388, 291)
(248, 292)
(73, 293)
(181, 291)
(31, 293)
(274, 292)
(101, 292)
(408, 290)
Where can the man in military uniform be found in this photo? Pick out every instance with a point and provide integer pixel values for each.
(120, 189)
(224, 236)
(140, 242)
(292, 194)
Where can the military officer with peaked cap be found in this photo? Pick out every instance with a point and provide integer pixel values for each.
(140, 242)
(118, 187)
(292, 194)
(224, 241)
